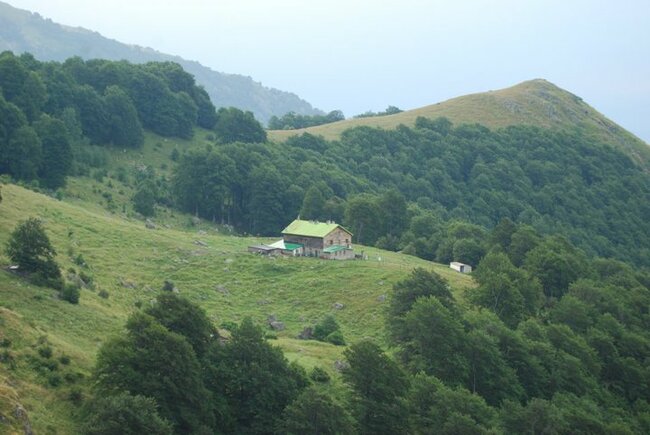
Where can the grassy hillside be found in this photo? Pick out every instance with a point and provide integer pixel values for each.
(130, 264)
(535, 102)
(22, 31)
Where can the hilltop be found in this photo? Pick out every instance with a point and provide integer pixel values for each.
(23, 31)
(535, 102)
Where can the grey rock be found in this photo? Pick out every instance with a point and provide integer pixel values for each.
(339, 366)
(228, 260)
(277, 326)
(200, 243)
(21, 415)
(127, 283)
(338, 306)
(222, 289)
(381, 298)
(149, 224)
(306, 333)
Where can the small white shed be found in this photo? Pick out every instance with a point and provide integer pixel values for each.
(460, 267)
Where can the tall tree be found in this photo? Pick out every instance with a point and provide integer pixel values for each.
(255, 380)
(57, 152)
(152, 361)
(378, 386)
(234, 125)
(124, 124)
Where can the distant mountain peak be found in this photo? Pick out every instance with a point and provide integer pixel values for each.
(533, 102)
(24, 31)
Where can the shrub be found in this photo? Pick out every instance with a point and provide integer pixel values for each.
(168, 285)
(319, 375)
(54, 379)
(228, 326)
(103, 294)
(64, 359)
(76, 396)
(45, 351)
(79, 260)
(336, 338)
(87, 279)
(70, 293)
(325, 328)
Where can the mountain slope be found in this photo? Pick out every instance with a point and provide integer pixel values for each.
(535, 102)
(130, 263)
(22, 31)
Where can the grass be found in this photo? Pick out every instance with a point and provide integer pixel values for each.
(131, 263)
(534, 102)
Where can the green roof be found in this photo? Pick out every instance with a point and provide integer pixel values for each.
(311, 228)
(334, 248)
(292, 246)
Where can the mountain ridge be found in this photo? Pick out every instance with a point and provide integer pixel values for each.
(25, 31)
(534, 102)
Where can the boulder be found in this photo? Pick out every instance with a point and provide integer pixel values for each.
(339, 366)
(338, 306)
(277, 326)
(306, 333)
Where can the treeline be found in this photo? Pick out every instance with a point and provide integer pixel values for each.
(50, 111)
(293, 121)
(431, 190)
(390, 110)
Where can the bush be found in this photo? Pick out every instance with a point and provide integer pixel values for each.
(87, 279)
(103, 294)
(64, 359)
(70, 293)
(319, 375)
(54, 379)
(80, 261)
(45, 351)
(336, 338)
(228, 326)
(168, 286)
(325, 328)
(76, 396)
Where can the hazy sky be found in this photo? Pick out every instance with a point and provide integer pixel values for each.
(359, 55)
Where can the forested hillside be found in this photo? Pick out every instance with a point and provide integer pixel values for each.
(22, 31)
(116, 324)
(405, 188)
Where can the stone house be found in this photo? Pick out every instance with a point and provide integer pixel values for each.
(320, 239)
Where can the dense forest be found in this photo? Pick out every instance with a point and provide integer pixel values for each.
(413, 188)
(52, 111)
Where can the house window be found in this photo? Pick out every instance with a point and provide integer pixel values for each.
(331, 242)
